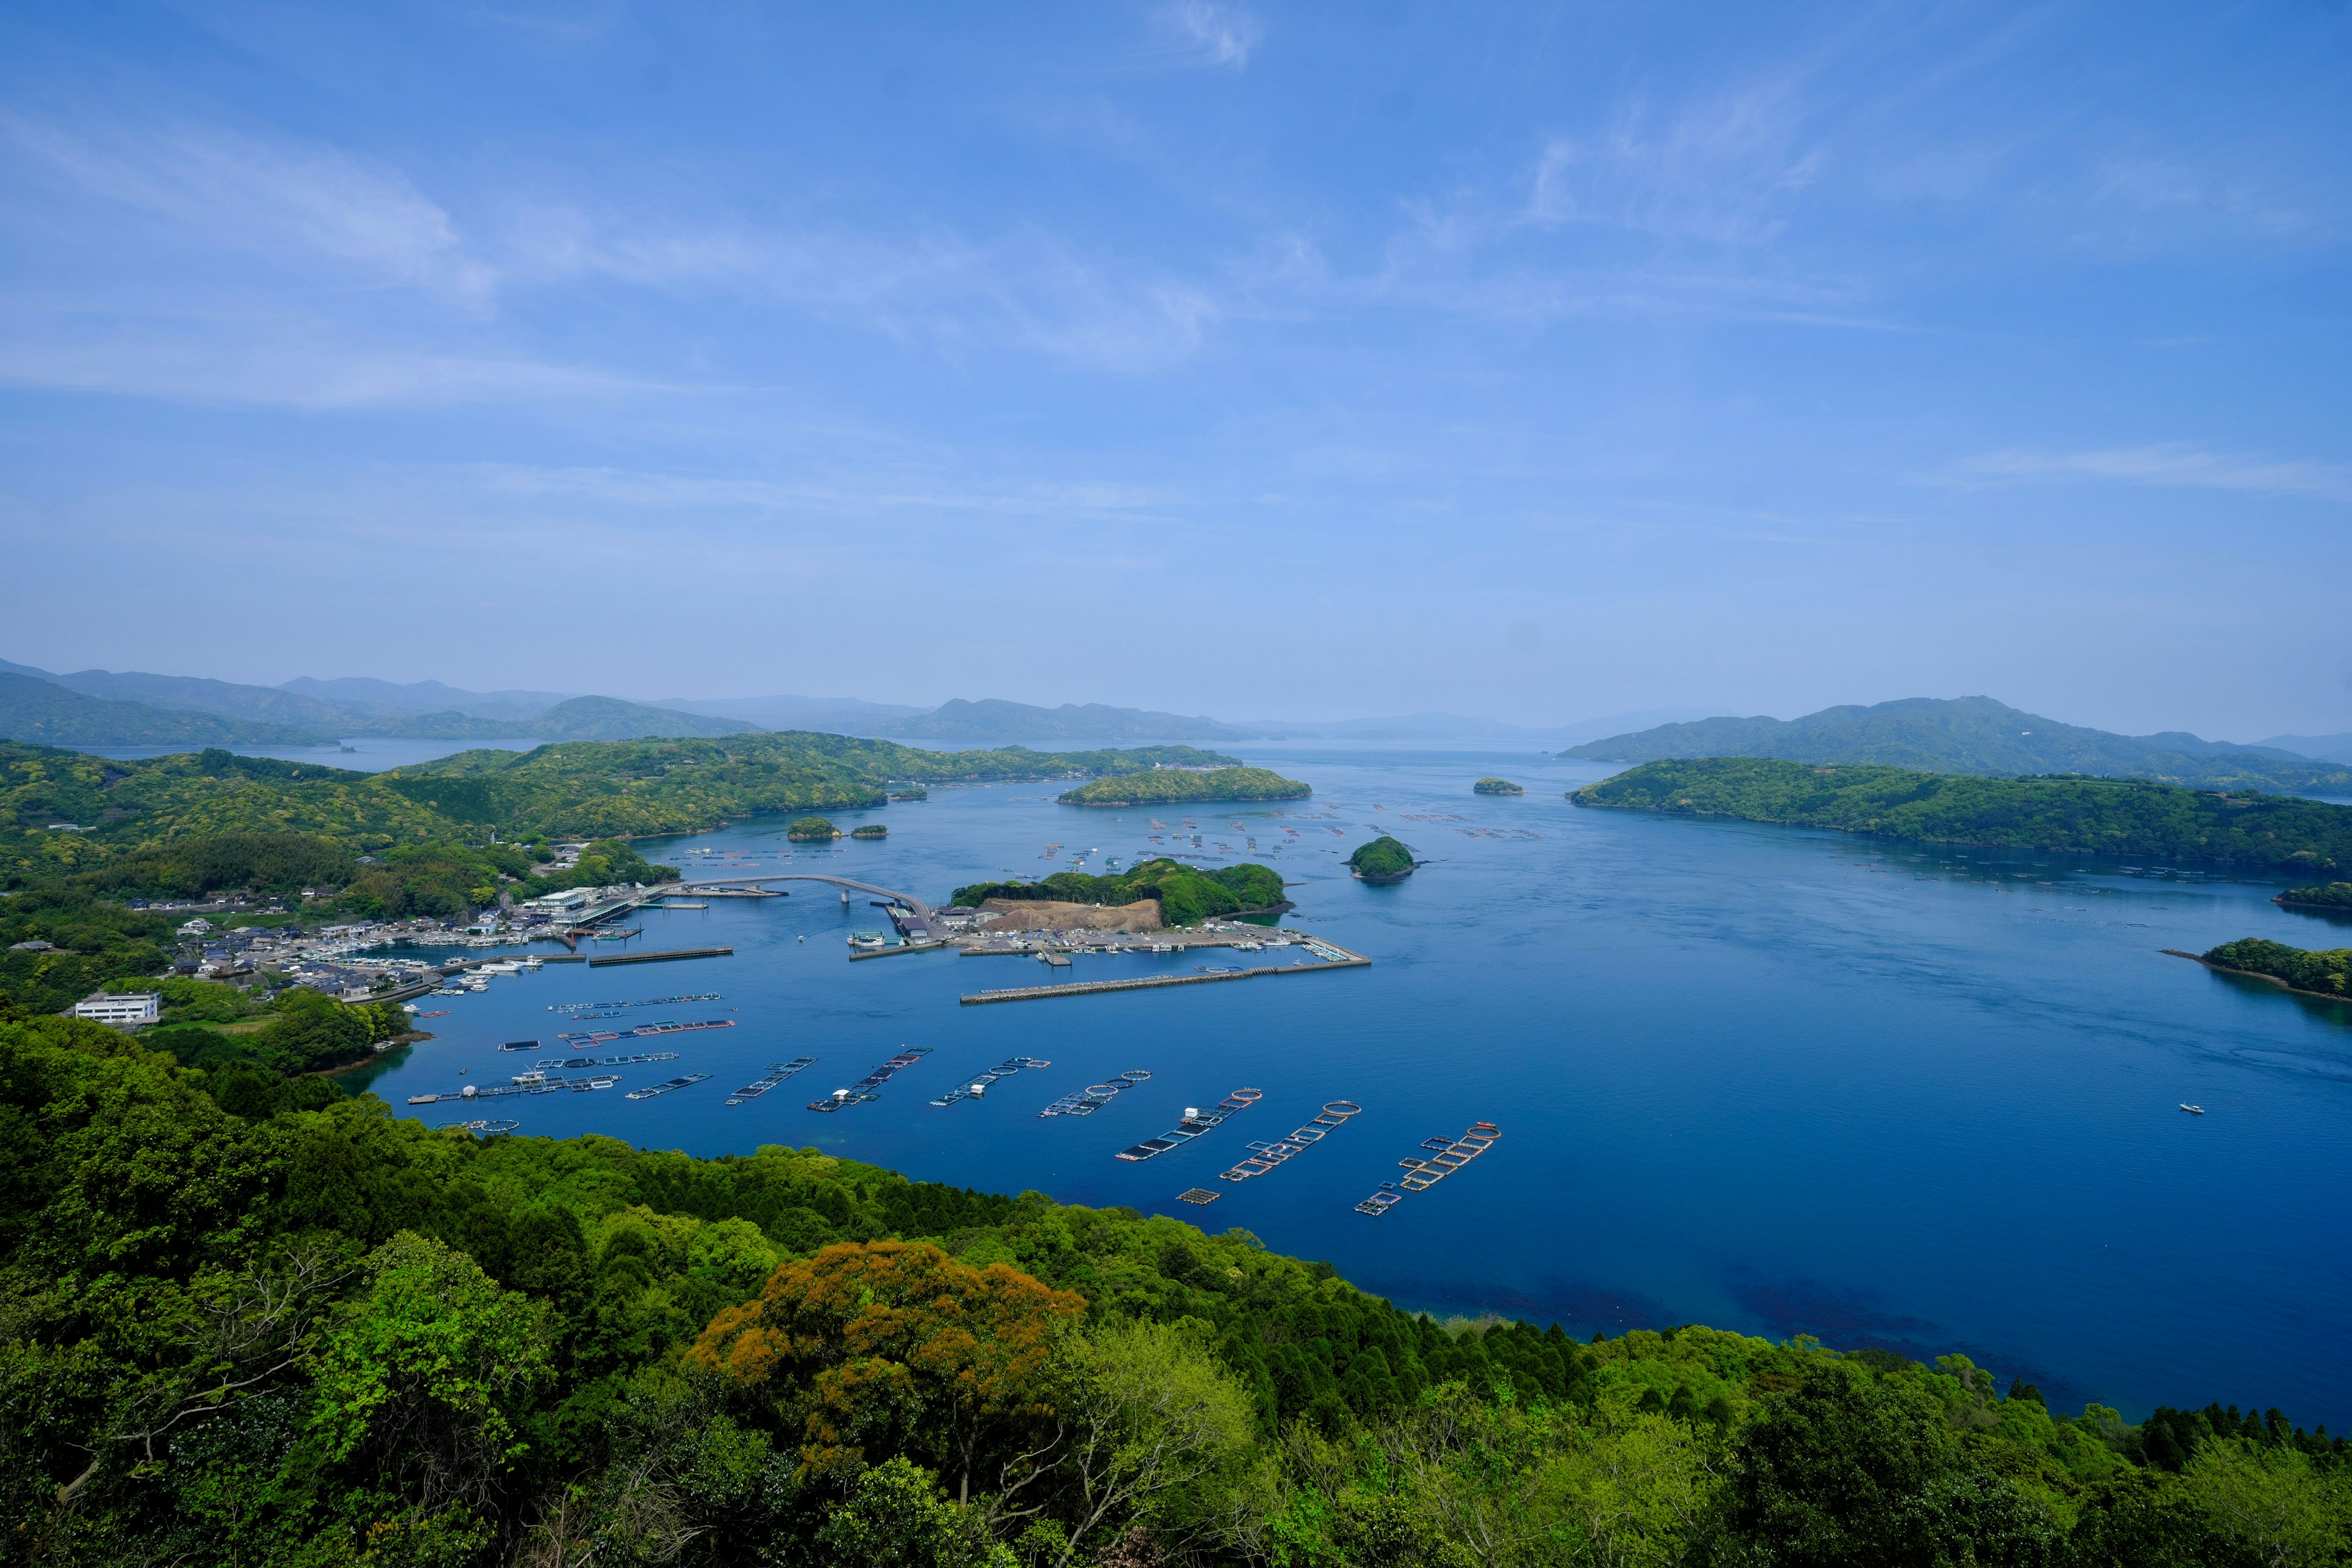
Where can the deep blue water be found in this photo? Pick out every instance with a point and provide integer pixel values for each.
(1776, 1081)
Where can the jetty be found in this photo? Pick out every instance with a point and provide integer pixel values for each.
(1332, 958)
(665, 956)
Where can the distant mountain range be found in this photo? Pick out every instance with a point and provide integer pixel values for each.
(993, 720)
(32, 708)
(2328, 748)
(1975, 735)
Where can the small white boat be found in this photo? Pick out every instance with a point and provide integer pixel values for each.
(2192, 1109)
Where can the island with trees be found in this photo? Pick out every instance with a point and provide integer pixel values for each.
(1384, 859)
(2326, 896)
(870, 830)
(811, 830)
(2066, 813)
(1186, 895)
(254, 1323)
(2327, 972)
(1492, 785)
(1175, 786)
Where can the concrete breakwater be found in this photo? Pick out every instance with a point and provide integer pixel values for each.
(1332, 956)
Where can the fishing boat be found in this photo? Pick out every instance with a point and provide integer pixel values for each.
(2192, 1109)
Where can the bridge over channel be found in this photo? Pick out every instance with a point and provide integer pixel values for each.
(844, 883)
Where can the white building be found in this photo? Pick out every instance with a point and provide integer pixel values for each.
(196, 927)
(125, 1010)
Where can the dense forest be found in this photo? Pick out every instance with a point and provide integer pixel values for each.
(1173, 786)
(1186, 896)
(2326, 896)
(247, 1328)
(2327, 972)
(583, 789)
(2113, 816)
(1382, 860)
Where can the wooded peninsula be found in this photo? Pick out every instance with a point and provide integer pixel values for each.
(2087, 816)
(1172, 786)
(1186, 895)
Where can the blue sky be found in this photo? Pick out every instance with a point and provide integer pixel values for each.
(1540, 362)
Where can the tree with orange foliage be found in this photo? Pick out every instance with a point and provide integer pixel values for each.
(886, 1347)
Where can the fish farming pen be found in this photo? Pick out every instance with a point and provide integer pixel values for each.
(1151, 982)
(689, 1081)
(1264, 1157)
(776, 1073)
(979, 1085)
(482, 1124)
(649, 1001)
(580, 1037)
(546, 1062)
(1095, 1096)
(1195, 1124)
(532, 1082)
(663, 957)
(1445, 1156)
(869, 1087)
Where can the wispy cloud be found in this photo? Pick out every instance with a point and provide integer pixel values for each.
(1203, 32)
(280, 199)
(1026, 289)
(1721, 169)
(281, 363)
(2177, 466)
(628, 490)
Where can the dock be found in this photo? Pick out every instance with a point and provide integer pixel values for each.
(892, 951)
(662, 957)
(1343, 960)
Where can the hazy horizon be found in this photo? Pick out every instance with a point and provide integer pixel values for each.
(1532, 364)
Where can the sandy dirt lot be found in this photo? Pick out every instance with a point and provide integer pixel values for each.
(1028, 914)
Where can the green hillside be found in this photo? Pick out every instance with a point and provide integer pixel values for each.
(1973, 735)
(574, 790)
(1173, 786)
(1187, 895)
(2090, 816)
(253, 1321)
(44, 712)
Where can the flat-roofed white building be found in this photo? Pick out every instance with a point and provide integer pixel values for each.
(125, 1010)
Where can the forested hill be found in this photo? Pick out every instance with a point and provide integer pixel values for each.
(303, 1331)
(1973, 735)
(577, 790)
(2120, 816)
(44, 712)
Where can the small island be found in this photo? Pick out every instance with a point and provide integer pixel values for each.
(1175, 894)
(870, 830)
(2323, 974)
(810, 829)
(2327, 896)
(1497, 786)
(1171, 786)
(1382, 860)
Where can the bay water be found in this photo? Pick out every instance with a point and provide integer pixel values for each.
(1777, 1080)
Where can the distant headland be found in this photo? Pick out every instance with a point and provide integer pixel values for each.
(1170, 786)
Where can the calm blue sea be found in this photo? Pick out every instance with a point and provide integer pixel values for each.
(1775, 1080)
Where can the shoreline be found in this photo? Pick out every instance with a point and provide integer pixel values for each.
(2254, 975)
